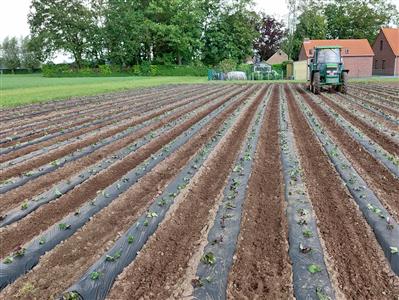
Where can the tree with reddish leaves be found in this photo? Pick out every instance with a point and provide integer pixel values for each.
(271, 35)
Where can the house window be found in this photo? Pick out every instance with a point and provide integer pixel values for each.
(383, 65)
(310, 52)
(346, 51)
(381, 45)
(376, 64)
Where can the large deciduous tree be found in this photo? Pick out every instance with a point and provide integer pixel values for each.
(66, 25)
(357, 19)
(271, 34)
(229, 32)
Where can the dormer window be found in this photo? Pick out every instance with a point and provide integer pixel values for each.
(346, 51)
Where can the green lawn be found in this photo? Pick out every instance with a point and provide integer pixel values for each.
(22, 89)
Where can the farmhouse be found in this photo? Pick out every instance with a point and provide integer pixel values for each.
(357, 54)
(278, 58)
(386, 50)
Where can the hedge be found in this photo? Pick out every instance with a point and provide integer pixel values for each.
(145, 69)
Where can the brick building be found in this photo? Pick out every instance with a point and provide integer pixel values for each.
(357, 54)
(386, 50)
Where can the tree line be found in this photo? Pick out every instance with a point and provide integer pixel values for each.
(17, 53)
(208, 32)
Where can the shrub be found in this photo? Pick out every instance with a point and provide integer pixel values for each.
(105, 70)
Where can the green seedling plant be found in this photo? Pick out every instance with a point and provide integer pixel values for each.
(64, 226)
(394, 250)
(130, 239)
(312, 268)
(8, 260)
(112, 258)
(42, 241)
(307, 233)
(95, 275)
(24, 205)
(209, 258)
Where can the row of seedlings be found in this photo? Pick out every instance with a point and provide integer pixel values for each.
(148, 118)
(81, 109)
(372, 108)
(369, 120)
(67, 185)
(28, 256)
(30, 110)
(390, 161)
(12, 183)
(213, 269)
(383, 225)
(310, 276)
(125, 114)
(379, 92)
(377, 99)
(100, 276)
(71, 120)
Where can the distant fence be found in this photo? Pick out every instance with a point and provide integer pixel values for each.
(272, 75)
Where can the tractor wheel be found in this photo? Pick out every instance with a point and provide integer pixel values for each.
(344, 85)
(316, 83)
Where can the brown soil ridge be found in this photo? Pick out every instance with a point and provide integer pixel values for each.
(385, 142)
(362, 271)
(97, 236)
(262, 269)
(379, 178)
(164, 259)
(24, 230)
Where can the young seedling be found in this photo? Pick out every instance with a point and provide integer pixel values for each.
(312, 268)
(64, 226)
(19, 251)
(130, 239)
(112, 258)
(394, 250)
(208, 258)
(8, 260)
(95, 275)
(307, 233)
(145, 223)
(321, 295)
(24, 205)
(70, 296)
(152, 214)
(42, 240)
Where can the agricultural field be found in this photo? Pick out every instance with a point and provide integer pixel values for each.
(197, 191)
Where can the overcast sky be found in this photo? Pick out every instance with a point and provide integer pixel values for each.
(13, 14)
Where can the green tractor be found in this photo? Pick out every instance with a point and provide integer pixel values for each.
(326, 69)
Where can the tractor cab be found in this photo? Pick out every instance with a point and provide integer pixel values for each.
(326, 69)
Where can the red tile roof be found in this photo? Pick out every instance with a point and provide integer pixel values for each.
(349, 47)
(392, 35)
